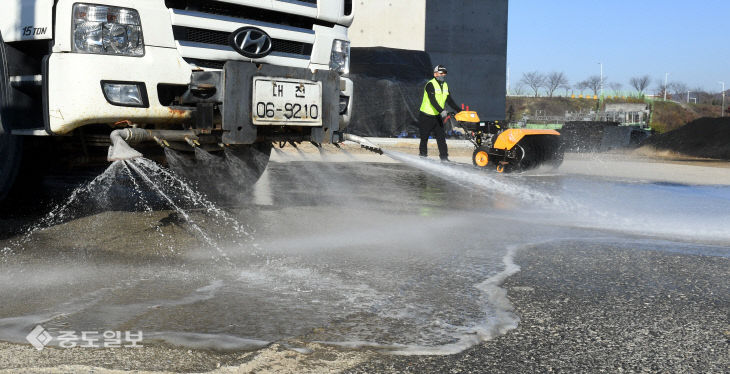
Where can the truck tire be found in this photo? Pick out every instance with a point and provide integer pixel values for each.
(4, 88)
(11, 147)
(11, 151)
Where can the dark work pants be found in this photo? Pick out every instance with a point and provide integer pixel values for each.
(428, 124)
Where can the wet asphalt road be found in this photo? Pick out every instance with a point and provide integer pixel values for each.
(402, 258)
(587, 308)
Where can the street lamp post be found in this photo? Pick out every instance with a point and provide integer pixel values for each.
(600, 63)
(507, 80)
(666, 76)
(723, 99)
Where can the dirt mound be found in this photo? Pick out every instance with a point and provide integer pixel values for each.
(704, 137)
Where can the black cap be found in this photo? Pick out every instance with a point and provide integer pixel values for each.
(440, 69)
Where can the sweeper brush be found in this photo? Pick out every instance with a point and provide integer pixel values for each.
(507, 150)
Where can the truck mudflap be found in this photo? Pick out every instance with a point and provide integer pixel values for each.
(238, 127)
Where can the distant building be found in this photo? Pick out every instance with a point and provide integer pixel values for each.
(627, 113)
(469, 37)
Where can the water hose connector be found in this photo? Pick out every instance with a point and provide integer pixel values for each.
(120, 150)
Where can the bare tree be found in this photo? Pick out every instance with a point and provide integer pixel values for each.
(553, 81)
(566, 87)
(615, 87)
(679, 90)
(594, 84)
(662, 89)
(703, 97)
(581, 86)
(535, 80)
(640, 83)
(519, 90)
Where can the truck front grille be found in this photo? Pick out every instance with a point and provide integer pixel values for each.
(248, 12)
(202, 30)
(221, 38)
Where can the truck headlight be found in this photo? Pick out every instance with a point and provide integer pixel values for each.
(340, 57)
(107, 30)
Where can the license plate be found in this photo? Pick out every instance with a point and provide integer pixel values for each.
(285, 101)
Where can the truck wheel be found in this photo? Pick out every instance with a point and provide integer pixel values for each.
(11, 147)
(11, 151)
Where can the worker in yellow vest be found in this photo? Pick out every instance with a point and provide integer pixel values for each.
(433, 112)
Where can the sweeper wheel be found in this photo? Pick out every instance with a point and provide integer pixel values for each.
(480, 157)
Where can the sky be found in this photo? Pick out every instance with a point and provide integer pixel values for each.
(687, 39)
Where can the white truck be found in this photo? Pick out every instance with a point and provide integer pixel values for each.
(224, 74)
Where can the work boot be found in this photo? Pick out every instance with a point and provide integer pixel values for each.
(446, 160)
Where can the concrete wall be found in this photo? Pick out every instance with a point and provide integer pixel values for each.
(389, 23)
(469, 37)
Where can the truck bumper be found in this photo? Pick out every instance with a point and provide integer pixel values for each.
(74, 96)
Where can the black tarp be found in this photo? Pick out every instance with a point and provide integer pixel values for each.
(584, 136)
(388, 90)
(598, 136)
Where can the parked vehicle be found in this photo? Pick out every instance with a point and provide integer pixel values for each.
(230, 74)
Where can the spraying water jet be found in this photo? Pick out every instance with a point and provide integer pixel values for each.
(364, 143)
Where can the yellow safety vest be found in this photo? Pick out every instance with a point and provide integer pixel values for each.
(441, 95)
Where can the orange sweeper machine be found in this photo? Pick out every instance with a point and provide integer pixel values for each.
(507, 150)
